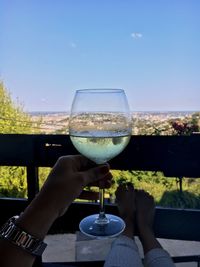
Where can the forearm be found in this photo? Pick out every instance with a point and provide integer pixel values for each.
(65, 182)
(39, 215)
(35, 220)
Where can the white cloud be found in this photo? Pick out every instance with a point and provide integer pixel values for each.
(72, 45)
(136, 35)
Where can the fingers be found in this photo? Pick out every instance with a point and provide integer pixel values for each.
(100, 173)
(76, 162)
(89, 172)
(106, 182)
(83, 163)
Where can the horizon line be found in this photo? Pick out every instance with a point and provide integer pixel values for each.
(164, 111)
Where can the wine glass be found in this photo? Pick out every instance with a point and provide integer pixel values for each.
(100, 128)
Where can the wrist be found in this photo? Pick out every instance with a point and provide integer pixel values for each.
(38, 216)
(56, 199)
(21, 239)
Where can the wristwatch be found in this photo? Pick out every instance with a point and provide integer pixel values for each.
(22, 239)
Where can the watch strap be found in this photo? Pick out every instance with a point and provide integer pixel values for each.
(21, 238)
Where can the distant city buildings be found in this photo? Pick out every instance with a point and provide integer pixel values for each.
(143, 123)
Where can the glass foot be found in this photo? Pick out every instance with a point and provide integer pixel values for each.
(93, 227)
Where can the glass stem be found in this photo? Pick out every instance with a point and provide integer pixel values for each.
(102, 207)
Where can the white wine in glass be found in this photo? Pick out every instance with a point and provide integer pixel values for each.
(100, 129)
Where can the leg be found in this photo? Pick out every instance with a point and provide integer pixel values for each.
(124, 251)
(155, 256)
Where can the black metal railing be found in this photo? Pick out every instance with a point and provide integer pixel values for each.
(175, 156)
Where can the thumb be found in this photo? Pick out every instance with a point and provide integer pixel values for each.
(95, 174)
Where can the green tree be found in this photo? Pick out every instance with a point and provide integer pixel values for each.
(13, 120)
(12, 117)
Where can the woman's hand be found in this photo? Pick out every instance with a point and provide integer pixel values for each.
(64, 183)
(70, 175)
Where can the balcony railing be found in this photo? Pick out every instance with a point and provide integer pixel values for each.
(175, 156)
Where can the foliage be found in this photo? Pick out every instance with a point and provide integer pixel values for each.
(163, 189)
(13, 182)
(179, 199)
(184, 128)
(166, 126)
(43, 173)
(12, 117)
(13, 120)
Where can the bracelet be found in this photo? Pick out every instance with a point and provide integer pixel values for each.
(22, 239)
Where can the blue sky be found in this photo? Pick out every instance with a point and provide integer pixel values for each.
(150, 48)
